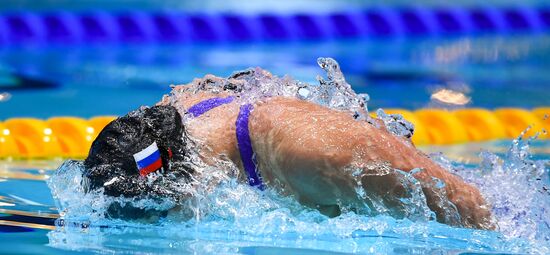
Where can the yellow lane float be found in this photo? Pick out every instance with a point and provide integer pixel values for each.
(98, 123)
(516, 120)
(33, 137)
(22, 138)
(8, 147)
(443, 127)
(74, 134)
(480, 124)
(543, 114)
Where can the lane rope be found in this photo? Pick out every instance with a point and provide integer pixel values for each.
(71, 137)
(87, 26)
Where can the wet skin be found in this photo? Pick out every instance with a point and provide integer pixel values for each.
(310, 152)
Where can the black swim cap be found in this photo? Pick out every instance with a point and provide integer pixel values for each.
(111, 165)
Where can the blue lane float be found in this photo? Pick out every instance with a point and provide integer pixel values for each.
(140, 26)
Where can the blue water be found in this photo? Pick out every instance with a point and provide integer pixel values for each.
(233, 226)
(114, 79)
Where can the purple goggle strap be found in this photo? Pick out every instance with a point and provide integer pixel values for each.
(245, 148)
(208, 104)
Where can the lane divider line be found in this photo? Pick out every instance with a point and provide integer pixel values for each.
(71, 137)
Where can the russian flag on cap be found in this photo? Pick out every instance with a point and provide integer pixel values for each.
(148, 160)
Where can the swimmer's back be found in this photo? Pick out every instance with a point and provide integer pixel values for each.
(308, 148)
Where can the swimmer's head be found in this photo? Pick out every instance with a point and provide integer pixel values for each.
(111, 164)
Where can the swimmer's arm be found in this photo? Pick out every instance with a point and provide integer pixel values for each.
(312, 149)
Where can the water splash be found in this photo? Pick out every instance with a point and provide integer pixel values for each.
(396, 124)
(256, 84)
(517, 188)
(336, 93)
(223, 215)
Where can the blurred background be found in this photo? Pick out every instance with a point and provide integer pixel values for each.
(87, 58)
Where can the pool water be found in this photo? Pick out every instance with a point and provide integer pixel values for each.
(114, 79)
(279, 225)
(494, 71)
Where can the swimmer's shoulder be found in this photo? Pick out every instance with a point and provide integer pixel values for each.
(293, 104)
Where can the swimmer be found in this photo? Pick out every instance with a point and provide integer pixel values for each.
(314, 153)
